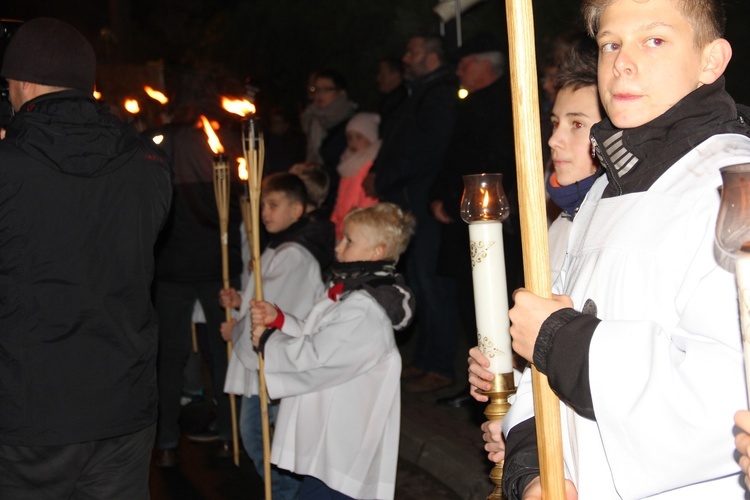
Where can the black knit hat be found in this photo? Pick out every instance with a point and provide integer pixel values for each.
(50, 52)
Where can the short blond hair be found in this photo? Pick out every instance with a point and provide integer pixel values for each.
(386, 224)
(707, 17)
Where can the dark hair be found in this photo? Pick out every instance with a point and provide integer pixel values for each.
(578, 68)
(337, 78)
(433, 44)
(283, 182)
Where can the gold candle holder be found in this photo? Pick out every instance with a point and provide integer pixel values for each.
(502, 387)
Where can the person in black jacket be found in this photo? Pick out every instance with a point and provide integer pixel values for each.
(189, 263)
(81, 203)
(405, 168)
(482, 141)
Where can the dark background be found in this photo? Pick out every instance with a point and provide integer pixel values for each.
(274, 44)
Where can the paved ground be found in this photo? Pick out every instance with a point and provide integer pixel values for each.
(440, 456)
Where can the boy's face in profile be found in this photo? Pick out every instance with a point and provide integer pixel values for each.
(573, 114)
(647, 60)
(355, 246)
(278, 211)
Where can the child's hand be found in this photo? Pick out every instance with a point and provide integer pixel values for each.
(228, 297)
(257, 334)
(226, 329)
(480, 377)
(262, 313)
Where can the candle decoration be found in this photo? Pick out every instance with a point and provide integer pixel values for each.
(221, 191)
(733, 240)
(484, 207)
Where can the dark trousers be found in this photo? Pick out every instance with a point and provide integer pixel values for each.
(115, 468)
(437, 312)
(315, 489)
(174, 304)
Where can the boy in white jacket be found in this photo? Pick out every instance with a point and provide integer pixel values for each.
(290, 269)
(338, 371)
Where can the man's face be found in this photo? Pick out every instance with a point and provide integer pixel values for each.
(415, 59)
(647, 60)
(472, 71)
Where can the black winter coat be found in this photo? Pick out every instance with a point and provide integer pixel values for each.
(82, 199)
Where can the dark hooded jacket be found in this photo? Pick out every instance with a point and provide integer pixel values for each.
(82, 199)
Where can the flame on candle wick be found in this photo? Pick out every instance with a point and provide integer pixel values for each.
(242, 168)
(131, 106)
(155, 94)
(97, 94)
(213, 140)
(241, 107)
(486, 199)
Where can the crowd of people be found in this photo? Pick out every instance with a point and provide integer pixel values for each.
(111, 255)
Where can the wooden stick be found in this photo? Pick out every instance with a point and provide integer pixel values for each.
(254, 158)
(221, 191)
(529, 166)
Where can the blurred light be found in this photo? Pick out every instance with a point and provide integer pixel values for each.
(131, 106)
(462, 93)
(158, 139)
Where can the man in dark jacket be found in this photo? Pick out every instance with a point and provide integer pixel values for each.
(406, 166)
(482, 141)
(81, 202)
(189, 265)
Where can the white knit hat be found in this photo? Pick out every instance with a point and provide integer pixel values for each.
(366, 124)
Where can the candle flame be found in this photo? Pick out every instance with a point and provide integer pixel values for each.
(242, 168)
(97, 94)
(155, 94)
(131, 106)
(486, 200)
(241, 107)
(213, 140)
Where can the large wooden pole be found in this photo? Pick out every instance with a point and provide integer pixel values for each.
(530, 171)
(254, 150)
(221, 191)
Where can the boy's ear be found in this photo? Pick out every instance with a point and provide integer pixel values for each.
(379, 251)
(715, 58)
(298, 210)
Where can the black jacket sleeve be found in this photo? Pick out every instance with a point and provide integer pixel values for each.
(562, 353)
(521, 459)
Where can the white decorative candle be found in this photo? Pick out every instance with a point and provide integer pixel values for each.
(491, 294)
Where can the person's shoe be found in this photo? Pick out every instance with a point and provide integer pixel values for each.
(459, 400)
(431, 381)
(166, 458)
(191, 398)
(207, 434)
(225, 450)
(411, 372)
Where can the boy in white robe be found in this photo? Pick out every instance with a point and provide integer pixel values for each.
(338, 370)
(291, 274)
(644, 346)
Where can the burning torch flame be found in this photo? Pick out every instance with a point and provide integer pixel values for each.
(241, 107)
(155, 94)
(242, 168)
(131, 106)
(213, 140)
